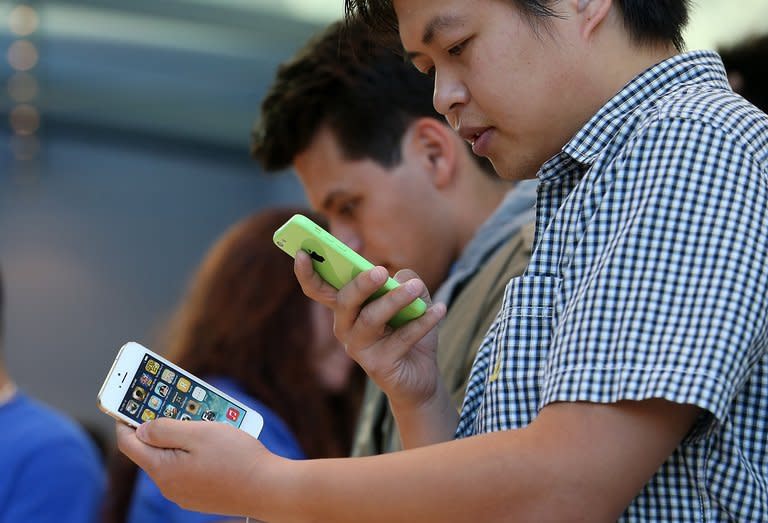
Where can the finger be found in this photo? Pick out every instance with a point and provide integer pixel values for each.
(405, 337)
(311, 283)
(168, 433)
(352, 297)
(143, 455)
(404, 275)
(375, 315)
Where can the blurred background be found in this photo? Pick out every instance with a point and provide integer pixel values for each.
(124, 131)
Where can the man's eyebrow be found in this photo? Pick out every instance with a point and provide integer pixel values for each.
(438, 24)
(434, 26)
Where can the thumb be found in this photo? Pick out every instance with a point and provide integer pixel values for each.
(167, 433)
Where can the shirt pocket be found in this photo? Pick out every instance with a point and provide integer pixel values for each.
(518, 358)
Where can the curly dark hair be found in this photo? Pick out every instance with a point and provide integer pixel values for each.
(354, 81)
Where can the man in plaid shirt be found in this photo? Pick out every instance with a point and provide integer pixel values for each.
(626, 374)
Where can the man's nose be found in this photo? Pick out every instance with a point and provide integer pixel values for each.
(449, 94)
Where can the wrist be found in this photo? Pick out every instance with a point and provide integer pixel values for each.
(432, 420)
(292, 490)
(271, 487)
(416, 404)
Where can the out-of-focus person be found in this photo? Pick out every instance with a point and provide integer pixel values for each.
(246, 328)
(400, 187)
(51, 471)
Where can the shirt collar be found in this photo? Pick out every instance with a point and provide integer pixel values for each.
(516, 210)
(697, 67)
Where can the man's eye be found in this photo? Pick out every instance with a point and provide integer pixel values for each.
(458, 48)
(347, 209)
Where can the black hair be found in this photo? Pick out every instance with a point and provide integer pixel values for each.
(647, 21)
(749, 61)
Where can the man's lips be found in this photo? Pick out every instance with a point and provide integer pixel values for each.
(478, 137)
(471, 134)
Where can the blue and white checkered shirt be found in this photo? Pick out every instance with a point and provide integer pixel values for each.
(649, 279)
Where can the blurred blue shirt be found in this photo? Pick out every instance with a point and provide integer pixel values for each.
(51, 471)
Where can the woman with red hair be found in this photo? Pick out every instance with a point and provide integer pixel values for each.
(246, 327)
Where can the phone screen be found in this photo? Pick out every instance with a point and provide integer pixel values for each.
(157, 390)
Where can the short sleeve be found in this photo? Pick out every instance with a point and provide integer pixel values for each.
(667, 295)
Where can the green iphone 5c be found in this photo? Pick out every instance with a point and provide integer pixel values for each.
(336, 263)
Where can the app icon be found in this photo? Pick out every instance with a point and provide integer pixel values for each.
(132, 407)
(139, 394)
(233, 414)
(183, 385)
(162, 389)
(147, 415)
(185, 417)
(178, 399)
(146, 379)
(209, 415)
(168, 376)
(198, 393)
(152, 367)
(170, 411)
(154, 402)
(192, 407)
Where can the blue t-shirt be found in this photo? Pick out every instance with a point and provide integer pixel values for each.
(51, 471)
(148, 505)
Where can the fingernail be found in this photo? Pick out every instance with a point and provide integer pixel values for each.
(413, 287)
(141, 430)
(379, 275)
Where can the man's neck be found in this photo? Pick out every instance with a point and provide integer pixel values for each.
(5, 379)
(480, 201)
(613, 62)
(7, 387)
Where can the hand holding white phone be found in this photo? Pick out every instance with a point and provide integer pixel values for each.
(142, 386)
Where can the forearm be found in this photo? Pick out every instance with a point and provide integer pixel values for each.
(493, 477)
(575, 462)
(433, 421)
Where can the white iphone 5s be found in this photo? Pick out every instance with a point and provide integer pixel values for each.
(142, 386)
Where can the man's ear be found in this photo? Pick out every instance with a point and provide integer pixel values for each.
(434, 146)
(591, 14)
